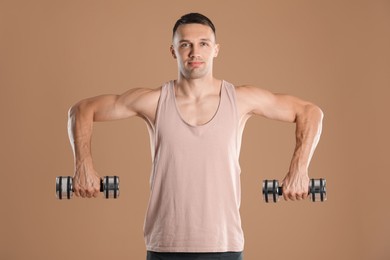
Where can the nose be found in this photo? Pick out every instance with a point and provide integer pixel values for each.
(194, 53)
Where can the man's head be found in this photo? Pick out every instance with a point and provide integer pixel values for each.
(194, 46)
(193, 18)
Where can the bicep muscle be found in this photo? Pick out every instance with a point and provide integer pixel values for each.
(273, 106)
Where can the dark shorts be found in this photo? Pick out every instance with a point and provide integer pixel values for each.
(194, 256)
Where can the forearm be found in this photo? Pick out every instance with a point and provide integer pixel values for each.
(80, 124)
(308, 132)
(86, 182)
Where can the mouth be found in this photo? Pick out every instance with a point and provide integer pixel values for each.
(195, 64)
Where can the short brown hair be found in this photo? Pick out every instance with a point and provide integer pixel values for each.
(193, 18)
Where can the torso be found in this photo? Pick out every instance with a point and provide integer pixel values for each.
(196, 171)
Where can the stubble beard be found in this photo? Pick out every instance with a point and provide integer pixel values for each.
(196, 73)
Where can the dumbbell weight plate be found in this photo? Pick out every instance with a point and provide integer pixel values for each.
(110, 187)
(271, 190)
(317, 190)
(64, 187)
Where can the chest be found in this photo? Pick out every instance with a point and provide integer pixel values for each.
(198, 111)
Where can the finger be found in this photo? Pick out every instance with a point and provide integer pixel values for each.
(76, 191)
(89, 192)
(93, 191)
(301, 195)
(291, 196)
(96, 190)
(285, 195)
(82, 193)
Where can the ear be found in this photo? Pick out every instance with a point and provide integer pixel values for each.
(216, 50)
(173, 52)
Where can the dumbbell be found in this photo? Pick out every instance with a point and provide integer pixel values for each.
(272, 190)
(109, 185)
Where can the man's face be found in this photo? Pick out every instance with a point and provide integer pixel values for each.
(194, 48)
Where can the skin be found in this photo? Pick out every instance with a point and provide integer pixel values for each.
(197, 92)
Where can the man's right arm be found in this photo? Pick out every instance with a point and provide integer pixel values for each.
(135, 102)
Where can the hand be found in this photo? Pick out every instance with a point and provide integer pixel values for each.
(86, 182)
(295, 186)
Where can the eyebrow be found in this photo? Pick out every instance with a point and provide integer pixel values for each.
(203, 40)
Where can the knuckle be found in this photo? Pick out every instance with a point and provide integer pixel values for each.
(76, 187)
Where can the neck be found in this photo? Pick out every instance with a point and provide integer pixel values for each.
(197, 87)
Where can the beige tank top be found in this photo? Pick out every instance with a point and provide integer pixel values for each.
(195, 181)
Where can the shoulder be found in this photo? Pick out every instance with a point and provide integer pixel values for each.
(139, 96)
(249, 97)
(143, 101)
(249, 91)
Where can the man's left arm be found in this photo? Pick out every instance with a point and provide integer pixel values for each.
(308, 119)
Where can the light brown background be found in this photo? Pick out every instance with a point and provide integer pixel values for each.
(334, 53)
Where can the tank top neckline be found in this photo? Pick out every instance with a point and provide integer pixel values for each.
(172, 85)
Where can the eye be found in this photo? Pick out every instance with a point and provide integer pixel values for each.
(203, 44)
(184, 45)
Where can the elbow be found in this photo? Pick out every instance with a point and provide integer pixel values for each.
(71, 111)
(77, 110)
(314, 112)
(318, 111)
(317, 115)
(74, 110)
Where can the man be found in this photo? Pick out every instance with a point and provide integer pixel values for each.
(195, 124)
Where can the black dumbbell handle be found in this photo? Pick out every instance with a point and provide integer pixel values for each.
(312, 189)
(70, 186)
(280, 188)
